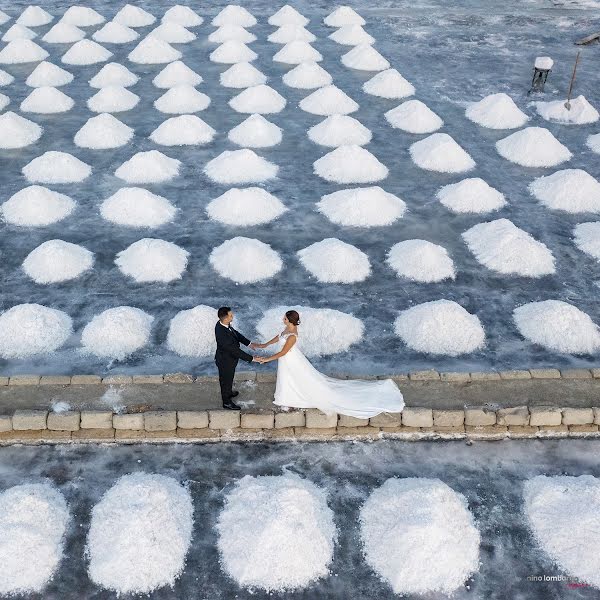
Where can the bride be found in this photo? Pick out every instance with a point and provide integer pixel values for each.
(300, 385)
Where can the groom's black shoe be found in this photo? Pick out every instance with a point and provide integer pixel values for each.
(234, 394)
(231, 405)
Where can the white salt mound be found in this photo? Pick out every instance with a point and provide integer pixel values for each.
(47, 74)
(440, 327)
(233, 14)
(192, 332)
(63, 33)
(3, 18)
(47, 100)
(339, 130)
(291, 33)
(36, 206)
(261, 99)
(581, 112)
(307, 76)
(174, 74)
(185, 130)
(439, 152)
(34, 16)
(153, 51)
(587, 238)
(115, 334)
(231, 32)
(362, 207)
(351, 35)
(389, 84)
(287, 15)
(334, 261)
(497, 111)
(82, 16)
(149, 260)
(182, 99)
(255, 132)
(232, 52)
(328, 100)
(183, 15)
(245, 260)
(173, 33)
(242, 75)
(419, 536)
(103, 132)
(544, 62)
(239, 167)
(133, 16)
(21, 52)
(111, 99)
(18, 32)
(323, 331)
(56, 167)
(148, 167)
(350, 164)
(571, 190)
(297, 52)
(17, 132)
(56, 260)
(5, 78)
(472, 195)
(414, 116)
(501, 246)
(343, 16)
(140, 534)
(558, 326)
(86, 52)
(113, 75)
(421, 261)
(533, 147)
(245, 207)
(137, 207)
(593, 142)
(4, 101)
(33, 519)
(276, 533)
(365, 58)
(115, 33)
(30, 329)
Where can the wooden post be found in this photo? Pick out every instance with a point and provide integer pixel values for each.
(568, 102)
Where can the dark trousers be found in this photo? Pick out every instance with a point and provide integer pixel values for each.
(226, 373)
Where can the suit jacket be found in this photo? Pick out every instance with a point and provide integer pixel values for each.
(228, 345)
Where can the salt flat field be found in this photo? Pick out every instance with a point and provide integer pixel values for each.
(384, 170)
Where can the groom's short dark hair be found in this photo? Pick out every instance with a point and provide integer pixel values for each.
(223, 312)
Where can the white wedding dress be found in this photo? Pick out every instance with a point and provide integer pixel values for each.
(300, 385)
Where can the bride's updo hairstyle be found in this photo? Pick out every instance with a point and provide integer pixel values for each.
(293, 317)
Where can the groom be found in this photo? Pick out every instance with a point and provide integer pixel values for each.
(228, 353)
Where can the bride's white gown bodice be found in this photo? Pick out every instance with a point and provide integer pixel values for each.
(300, 385)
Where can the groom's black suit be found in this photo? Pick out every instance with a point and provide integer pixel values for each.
(227, 355)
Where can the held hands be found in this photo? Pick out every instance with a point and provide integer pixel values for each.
(255, 345)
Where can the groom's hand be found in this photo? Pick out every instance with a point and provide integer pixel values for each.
(253, 346)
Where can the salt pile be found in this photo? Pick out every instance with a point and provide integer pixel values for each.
(5, 78)
(544, 63)
(34, 16)
(47, 100)
(440, 327)
(261, 99)
(36, 206)
(86, 52)
(245, 260)
(3, 18)
(33, 519)
(103, 132)
(276, 533)
(334, 261)
(233, 14)
(18, 32)
(115, 33)
(439, 152)
(137, 207)
(17, 132)
(149, 260)
(350, 164)
(291, 33)
(255, 132)
(152, 51)
(21, 52)
(328, 100)
(63, 33)
(56, 260)
(239, 167)
(231, 32)
(533, 147)
(593, 143)
(186, 130)
(56, 167)
(140, 534)
(192, 332)
(324, 330)
(182, 99)
(174, 74)
(82, 16)
(421, 261)
(116, 333)
(29, 329)
(307, 76)
(113, 74)
(148, 167)
(365, 58)
(287, 15)
(587, 238)
(414, 116)
(183, 15)
(497, 111)
(351, 35)
(133, 16)
(501, 246)
(4, 101)
(339, 130)
(111, 99)
(581, 112)
(419, 536)
(242, 75)
(571, 190)
(296, 53)
(245, 207)
(362, 207)
(173, 33)
(343, 16)
(47, 74)
(472, 195)
(232, 52)
(558, 326)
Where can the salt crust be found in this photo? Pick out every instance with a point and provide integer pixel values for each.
(36, 206)
(103, 132)
(137, 207)
(439, 152)
(85, 52)
(496, 111)
(232, 52)
(261, 99)
(339, 130)
(113, 74)
(287, 15)
(231, 32)
(48, 74)
(351, 35)
(242, 75)
(580, 113)
(21, 52)
(328, 100)
(183, 15)
(176, 73)
(245, 207)
(82, 16)
(153, 51)
(414, 117)
(46, 100)
(471, 195)
(63, 33)
(185, 130)
(182, 99)
(291, 33)
(307, 76)
(240, 167)
(388, 84)
(111, 99)
(533, 147)
(350, 164)
(56, 167)
(17, 132)
(233, 14)
(297, 52)
(365, 58)
(56, 260)
(192, 332)
(570, 190)
(34, 16)
(133, 16)
(148, 167)
(421, 261)
(343, 16)
(255, 132)
(115, 33)
(587, 238)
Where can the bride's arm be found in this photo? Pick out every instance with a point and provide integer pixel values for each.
(289, 344)
(271, 341)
